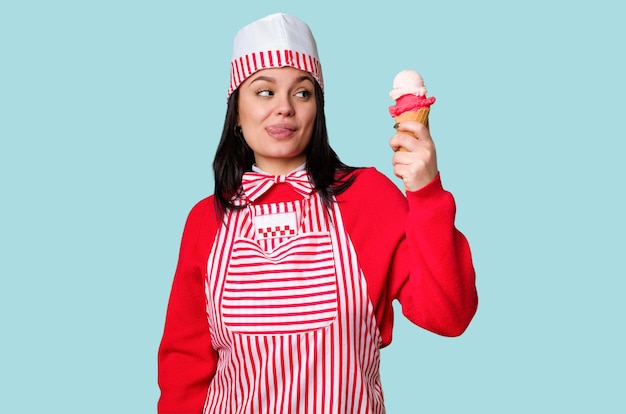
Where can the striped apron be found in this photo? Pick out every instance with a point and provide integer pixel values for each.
(289, 314)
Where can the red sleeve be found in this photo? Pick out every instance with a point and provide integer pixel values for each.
(410, 250)
(439, 293)
(186, 359)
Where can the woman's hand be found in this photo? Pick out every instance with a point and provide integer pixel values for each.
(415, 158)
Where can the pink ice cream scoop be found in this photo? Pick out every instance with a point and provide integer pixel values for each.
(409, 93)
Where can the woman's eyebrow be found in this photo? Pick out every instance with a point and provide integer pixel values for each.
(305, 77)
(263, 78)
(273, 80)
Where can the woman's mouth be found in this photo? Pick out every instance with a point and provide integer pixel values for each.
(280, 131)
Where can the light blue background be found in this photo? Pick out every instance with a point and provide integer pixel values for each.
(110, 112)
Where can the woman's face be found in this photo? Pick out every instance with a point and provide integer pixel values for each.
(276, 112)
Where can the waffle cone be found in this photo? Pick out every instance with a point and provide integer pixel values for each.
(421, 115)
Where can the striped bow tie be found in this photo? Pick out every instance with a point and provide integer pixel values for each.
(255, 184)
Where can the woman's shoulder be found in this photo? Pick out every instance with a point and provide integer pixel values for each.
(371, 189)
(371, 181)
(202, 212)
(370, 173)
(204, 205)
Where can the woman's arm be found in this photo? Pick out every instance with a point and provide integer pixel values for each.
(439, 293)
(186, 358)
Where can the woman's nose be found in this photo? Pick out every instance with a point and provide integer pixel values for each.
(284, 106)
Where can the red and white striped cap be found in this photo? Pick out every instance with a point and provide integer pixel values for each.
(275, 41)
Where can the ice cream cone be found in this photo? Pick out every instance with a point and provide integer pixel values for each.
(421, 115)
(411, 104)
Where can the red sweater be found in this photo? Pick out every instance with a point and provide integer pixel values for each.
(408, 248)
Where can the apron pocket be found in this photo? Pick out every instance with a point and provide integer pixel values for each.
(290, 290)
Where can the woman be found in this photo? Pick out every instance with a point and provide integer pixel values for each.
(282, 297)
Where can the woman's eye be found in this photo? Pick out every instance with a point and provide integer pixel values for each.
(264, 92)
(303, 94)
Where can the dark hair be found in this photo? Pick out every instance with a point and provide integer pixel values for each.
(233, 157)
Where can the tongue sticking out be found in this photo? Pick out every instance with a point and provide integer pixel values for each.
(280, 131)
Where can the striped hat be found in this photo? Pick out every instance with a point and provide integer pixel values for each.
(275, 41)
